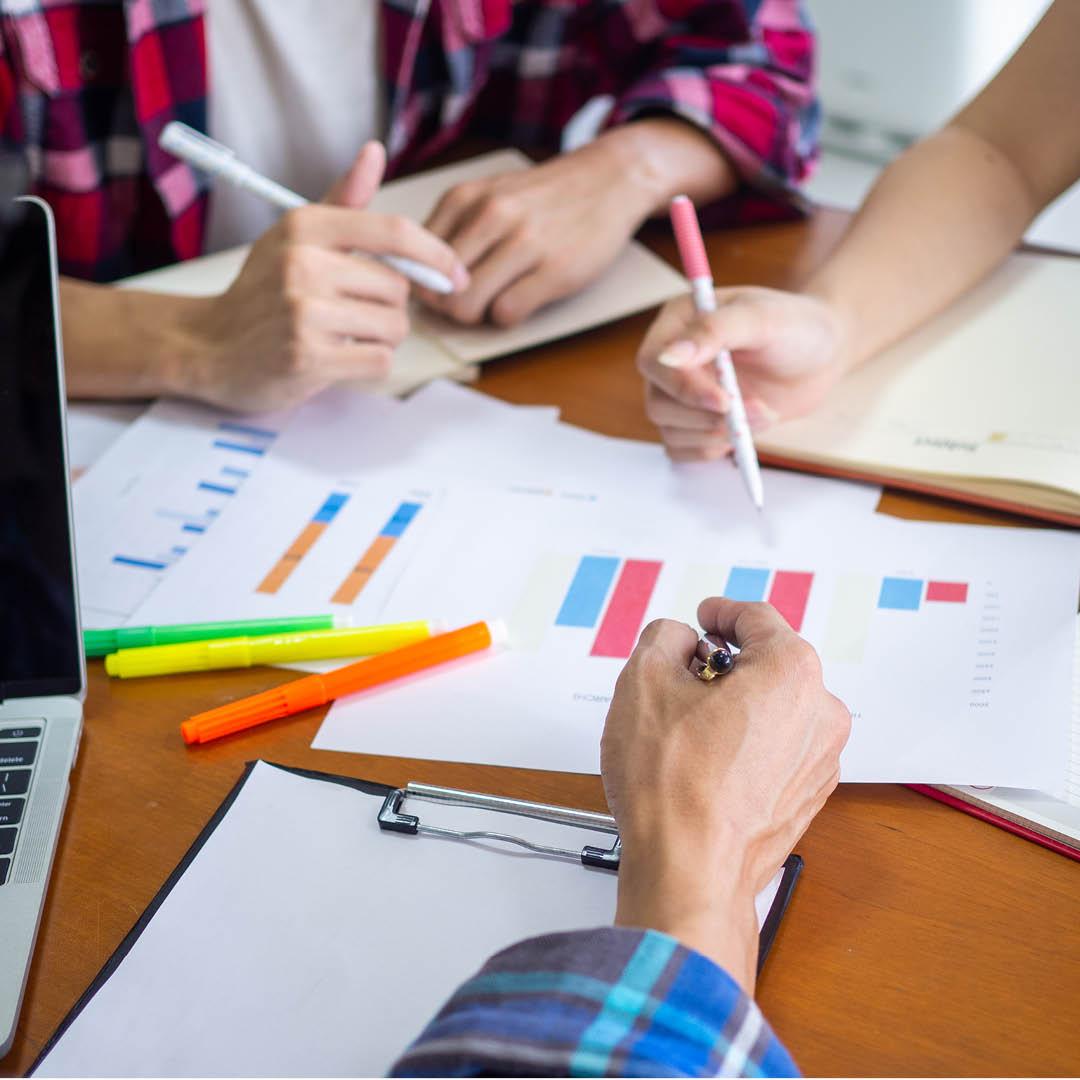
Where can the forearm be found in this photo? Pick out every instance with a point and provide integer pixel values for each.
(941, 217)
(661, 157)
(122, 343)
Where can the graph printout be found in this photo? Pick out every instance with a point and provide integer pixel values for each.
(936, 637)
(154, 495)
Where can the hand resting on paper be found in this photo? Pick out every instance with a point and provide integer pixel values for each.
(787, 353)
(533, 236)
(713, 784)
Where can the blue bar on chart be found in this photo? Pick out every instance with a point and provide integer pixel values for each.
(900, 594)
(746, 583)
(217, 489)
(244, 438)
(588, 591)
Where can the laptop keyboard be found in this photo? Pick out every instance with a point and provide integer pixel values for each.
(19, 743)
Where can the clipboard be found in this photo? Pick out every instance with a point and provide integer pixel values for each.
(155, 1006)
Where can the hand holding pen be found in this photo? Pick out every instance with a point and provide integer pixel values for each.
(305, 311)
(696, 265)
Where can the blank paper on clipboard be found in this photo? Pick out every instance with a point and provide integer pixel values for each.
(297, 938)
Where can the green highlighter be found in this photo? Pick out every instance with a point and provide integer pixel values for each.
(103, 642)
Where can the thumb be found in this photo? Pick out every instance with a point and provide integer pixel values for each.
(735, 324)
(357, 187)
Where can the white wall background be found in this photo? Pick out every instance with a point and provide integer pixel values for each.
(892, 70)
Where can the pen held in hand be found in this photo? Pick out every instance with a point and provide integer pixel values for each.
(217, 159)
(684, 221)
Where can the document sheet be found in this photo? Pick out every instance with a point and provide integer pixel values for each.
(303, 941)
(937, 637)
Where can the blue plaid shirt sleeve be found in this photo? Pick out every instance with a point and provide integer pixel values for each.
(603, 1002)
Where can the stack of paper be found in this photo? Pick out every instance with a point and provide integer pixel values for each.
(952, 645)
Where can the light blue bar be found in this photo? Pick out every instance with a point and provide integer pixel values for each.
(900, 594)
(746, 583)
(243, 448)
(189, 527)
(401, 520)
(142, 564)
(246, 429)
(220, 489)
(232, 470)
(328, 511)
(588, 591)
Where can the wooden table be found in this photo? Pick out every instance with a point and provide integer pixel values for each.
(919, 941)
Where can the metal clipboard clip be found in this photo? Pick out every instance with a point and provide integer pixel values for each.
(392, 819)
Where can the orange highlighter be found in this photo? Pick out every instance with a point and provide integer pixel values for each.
(314, 690)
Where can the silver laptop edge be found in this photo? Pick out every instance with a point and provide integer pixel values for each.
(22, 897)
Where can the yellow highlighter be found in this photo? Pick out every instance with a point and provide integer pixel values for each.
(276, 649)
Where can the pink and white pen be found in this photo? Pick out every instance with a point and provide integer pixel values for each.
(684, 221)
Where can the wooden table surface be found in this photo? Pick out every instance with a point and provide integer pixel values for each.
(919, 941)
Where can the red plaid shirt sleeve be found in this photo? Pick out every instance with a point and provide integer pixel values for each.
(749, 85)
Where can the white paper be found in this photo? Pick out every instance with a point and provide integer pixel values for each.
(972, 692)
(154, 494)
(93, 426)
(303, 941)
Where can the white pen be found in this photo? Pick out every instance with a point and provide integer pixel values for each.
(204, 153)
(684, 221)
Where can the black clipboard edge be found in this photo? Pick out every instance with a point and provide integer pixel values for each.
(792, 869)
(133, 935)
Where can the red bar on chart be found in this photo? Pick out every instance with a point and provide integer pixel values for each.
(789, 594)
(625, 613)
(947, 592)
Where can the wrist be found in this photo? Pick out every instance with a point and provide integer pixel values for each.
(693, 885)
(658, 157)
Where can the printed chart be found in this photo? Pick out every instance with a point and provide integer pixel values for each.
(910, 620)
(296, 546)
(152, 497)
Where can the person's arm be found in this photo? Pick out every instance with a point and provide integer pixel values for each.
(708, 117)
(940, 218)
(711, 787)
(304, 312)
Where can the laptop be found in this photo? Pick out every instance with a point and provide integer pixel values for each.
(42, 672)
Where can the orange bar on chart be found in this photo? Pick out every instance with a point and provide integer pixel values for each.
(311, 532)
(379, 548)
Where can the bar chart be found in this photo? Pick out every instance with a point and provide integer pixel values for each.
(787, 590)
(376, 552)
(283, 569)
(213, 477)
(607, 594)
(859, 599)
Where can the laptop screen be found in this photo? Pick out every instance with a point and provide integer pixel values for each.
(39, 635)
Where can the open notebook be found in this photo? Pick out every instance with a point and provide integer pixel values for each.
(982, 404)
(298, 938)
(437, 348)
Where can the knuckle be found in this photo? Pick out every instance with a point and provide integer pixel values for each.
(499, 209)
(398, 229)
(296, 223)
(505, 312)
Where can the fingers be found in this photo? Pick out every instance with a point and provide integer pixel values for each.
(746, 625)
(675, 641)
(314, 271)
(336, 361)
(693, 385)
(358, 186)
(532, 292)
(345, 229)
(354, 320)
(507, 262)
